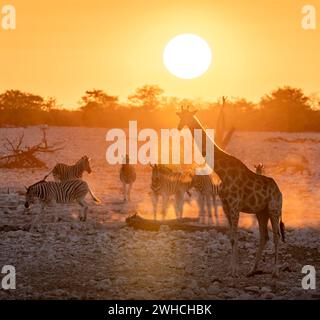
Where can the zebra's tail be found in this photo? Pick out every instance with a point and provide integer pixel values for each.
(95, 199)
(46, 176)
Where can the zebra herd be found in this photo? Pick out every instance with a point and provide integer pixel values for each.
(66, 188)
(165, 183)
(69, 186)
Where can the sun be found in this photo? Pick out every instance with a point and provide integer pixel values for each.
(187, 56)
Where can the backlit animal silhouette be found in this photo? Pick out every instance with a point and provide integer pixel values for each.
(165, 183)
(243, 191)
(64, 172)
(127, 177)
(206, 196)
(60, 192)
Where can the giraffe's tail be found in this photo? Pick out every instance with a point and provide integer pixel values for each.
(282, 231)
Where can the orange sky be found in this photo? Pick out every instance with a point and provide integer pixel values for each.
(62, 48)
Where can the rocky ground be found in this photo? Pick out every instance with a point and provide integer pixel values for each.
(103, 259)
(74, 260)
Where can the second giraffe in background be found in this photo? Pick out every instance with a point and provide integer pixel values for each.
(127, 177)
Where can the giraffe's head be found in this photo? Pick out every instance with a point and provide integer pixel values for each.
(186, 117)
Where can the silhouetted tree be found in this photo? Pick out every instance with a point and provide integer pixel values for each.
(287, 107)
(147, 97)
(15, 100)
(97, 100)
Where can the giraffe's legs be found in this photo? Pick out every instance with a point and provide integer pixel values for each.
(233, 218)
(234, 243)
(263, 218)
(275, 220)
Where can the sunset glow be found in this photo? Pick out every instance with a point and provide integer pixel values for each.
(61, 49)
(187, 56)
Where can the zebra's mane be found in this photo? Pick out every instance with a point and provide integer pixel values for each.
(165, 169)
(35, 184)
(84, 158)
(174, 174)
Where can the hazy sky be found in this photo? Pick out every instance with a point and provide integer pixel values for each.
(63, 48)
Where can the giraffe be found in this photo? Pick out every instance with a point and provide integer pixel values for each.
(242, 190)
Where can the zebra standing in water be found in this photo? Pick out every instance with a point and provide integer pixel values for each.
(64, 172)
(127, 177)
(60, 192)
(207, 192)
(164, 182)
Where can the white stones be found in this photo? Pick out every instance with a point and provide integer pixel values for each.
(268, 296)
(254, 289)
(193, 284)
(265, 289)
(104, 284)
(213, 290)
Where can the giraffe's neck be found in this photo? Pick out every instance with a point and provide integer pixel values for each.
(220, 157)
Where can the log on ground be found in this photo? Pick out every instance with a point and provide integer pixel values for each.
(184, 224)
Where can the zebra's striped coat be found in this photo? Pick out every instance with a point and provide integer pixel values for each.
(64, 172)
(127, 177)
(165, 183)
(60, 192)
(207, 192)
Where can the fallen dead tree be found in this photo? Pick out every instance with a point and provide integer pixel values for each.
(184, 224)
(8, 228)
(26, 156)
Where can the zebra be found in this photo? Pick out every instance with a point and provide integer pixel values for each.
(207, 192)
(127, 177)
(63, 172)
(60, 192)
(164, 182)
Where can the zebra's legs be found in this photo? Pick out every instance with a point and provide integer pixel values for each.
(179, 205)
(200, 200)
(155, 199)
(37, 217)
(209, 209)
(216, 212)
(165, 200)
(84, 205)
(129, 191)
(124, 188)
